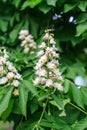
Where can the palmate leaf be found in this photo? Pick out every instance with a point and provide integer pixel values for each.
(30, 87)
(51, 2)
(17, 3)
(68, 7)
(60, 125)
(77, 96)
(81, 28)
(82, 18)
(84, 94)
(5, 100)
(81, 125)
(82, 5)
(58, 101)
(43, 95)
(34, 27)
(44, 8)
(30, 3)
(33, 105)
(14, 33)
(3, 25)
(8, 110)
(23, 97)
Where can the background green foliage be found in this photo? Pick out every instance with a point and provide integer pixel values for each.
(68, 19)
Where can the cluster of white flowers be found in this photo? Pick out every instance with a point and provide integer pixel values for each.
(46, 68)
(27, 41)
(8, 73)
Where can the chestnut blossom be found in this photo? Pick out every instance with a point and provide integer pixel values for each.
(36, 81)
(15, 83)
(49, 82)
(27, 42)
(43, 80)
(40, 53)
(51, 65)
(23, 32)
(46, 69)
(41, 72)
(52, 41)
(43, 45)
(46, 36)
(2, 71)
(43, 59)
(58, 86)
(8, 73)
(3, 80)
(38, 65)
(15, 92)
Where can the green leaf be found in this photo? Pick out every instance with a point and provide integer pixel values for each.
(23, 97)
(16, 108)
(77, 96)
(83, 5)
(17, 3)
(58, 101)
(67, 128)
(81, 125)
(56, 124)
(66, 33)
(43, 95)
(53, 102)
(14, 33)
(66, 85)
(2, 38)
(8, 110)
(5, 100)
(26, 24)
(30, 87)
(81, 28)
(75, 69)
(84, 94)
(30, 3)
(76, 40)
(47, 124)
(44, 8)
(51, 2)
(72, 114)
(33, 105)
(3, 25)
(82, 18)
(68, 7)
(34, 27)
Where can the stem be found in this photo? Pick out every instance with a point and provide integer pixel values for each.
(42, 112)
(78, 108)
(36, 126)
(21, 120)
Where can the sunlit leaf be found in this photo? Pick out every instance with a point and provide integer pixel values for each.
(81, 125)
(5, 100)
(23, 97)
(81, 28)
(51, 2)
(30, 3)
(68, 7)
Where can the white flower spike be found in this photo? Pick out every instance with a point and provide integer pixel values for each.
(46, 69)
(8, 73)
(27, 42)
